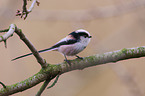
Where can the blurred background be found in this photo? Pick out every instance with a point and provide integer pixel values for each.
(114, 24)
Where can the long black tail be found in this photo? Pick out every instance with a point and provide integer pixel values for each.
(48, 49)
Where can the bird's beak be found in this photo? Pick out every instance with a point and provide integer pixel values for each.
(90, 37)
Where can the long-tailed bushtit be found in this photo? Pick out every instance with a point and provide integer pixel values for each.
(71, 45)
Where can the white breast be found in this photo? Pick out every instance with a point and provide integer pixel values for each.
(73, 49)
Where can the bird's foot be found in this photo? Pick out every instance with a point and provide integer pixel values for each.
(67, 62)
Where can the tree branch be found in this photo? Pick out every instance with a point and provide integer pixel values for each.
(8, 34)
(52, 71)
(25, 11)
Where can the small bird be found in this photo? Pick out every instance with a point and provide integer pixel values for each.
(71, 45)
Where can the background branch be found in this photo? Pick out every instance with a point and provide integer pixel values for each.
(26, 11)
(89, 14)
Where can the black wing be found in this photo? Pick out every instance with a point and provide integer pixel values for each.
(68, 42)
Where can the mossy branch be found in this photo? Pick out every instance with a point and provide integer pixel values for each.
(51, 71)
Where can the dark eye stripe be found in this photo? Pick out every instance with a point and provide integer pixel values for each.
(77, 35)
(83, 34)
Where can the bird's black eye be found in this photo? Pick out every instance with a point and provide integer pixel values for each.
(85, 36)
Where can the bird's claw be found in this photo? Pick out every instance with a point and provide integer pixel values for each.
(67, 62)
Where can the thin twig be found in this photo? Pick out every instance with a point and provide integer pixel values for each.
(43, 87)
(4, 86)
(5, 30)
(26, 11)
(32, 5)
(55, 81)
